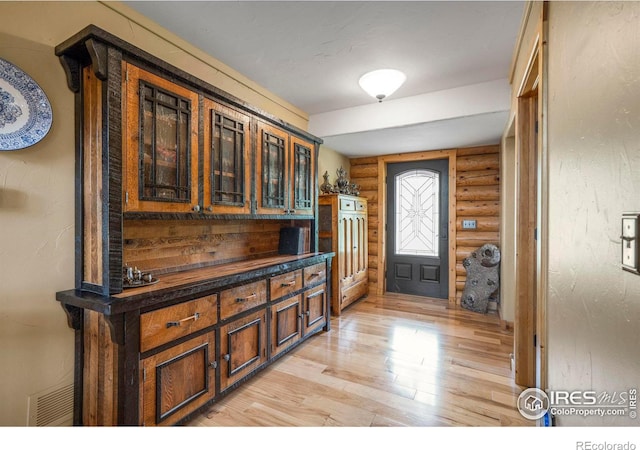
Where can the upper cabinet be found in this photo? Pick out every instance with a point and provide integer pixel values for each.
(285, 172)
(160, 121)
(164, 171)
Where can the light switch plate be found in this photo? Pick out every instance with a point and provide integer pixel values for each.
(629, 240)
(468, 224)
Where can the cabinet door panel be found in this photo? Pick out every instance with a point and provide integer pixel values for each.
(285, 324)
(160, 144)
(315, 307)
(243, 347)
(302, 182)
(178, 380)
(271, 170)
(345, 243)
(227, 160)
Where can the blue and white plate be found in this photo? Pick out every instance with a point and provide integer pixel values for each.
(25, 111)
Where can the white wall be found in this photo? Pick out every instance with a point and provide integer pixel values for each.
(594, 175)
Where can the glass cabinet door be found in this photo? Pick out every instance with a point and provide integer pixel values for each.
(161, 163)
(302, 180)
(272, 171)
(164, 147)
(227, 162)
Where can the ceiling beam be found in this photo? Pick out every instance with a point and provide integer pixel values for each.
(472, 100)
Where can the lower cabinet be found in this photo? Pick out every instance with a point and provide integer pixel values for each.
(164, 355)
(177, 381)
(296, 317)
(243, 347)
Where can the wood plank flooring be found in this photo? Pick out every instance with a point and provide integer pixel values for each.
(391, 360)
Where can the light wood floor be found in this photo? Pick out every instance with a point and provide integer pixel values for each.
(388, 361)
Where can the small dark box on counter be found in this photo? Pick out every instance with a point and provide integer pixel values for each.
(291, 241)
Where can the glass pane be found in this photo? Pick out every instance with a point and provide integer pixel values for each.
(228, 161)
(417, 213)
(272, 171)
(302, 177)
(165, 146)
(166, 151)
(147, 149)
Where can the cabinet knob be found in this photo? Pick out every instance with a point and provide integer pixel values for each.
(213, 364)
(227, 357)
(292, 211)
(308, 313)
(210, 208)
(196, 208)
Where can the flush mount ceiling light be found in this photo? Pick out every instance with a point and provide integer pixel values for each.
(382, 83)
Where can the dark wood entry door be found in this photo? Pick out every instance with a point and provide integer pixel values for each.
(417, 228)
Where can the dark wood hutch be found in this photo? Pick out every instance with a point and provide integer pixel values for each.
(191, 186)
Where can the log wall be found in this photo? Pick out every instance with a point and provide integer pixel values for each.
(161, 246)
(477, 198)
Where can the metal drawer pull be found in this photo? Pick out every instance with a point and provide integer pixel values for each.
(244, 299)
(177, 323)
(318, 274)
(289, 284)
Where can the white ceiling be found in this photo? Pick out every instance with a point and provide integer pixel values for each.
(456, 56)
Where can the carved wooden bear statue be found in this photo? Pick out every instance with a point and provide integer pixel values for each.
(483, 278)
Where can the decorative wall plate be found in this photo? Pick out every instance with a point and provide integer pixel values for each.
(25, 111)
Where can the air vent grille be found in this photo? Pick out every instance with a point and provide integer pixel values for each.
(52, 407)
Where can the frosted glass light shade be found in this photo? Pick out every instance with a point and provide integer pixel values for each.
(382, 83)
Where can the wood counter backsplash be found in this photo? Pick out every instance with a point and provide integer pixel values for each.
(160, 246)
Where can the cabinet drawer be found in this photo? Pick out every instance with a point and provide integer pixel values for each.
(242, 298)
(361, 205)
(168, 324)
(353, 293)
(347, 204)
(286, 283)
(314, 274)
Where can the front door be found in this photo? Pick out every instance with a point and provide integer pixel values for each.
(417, 228)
